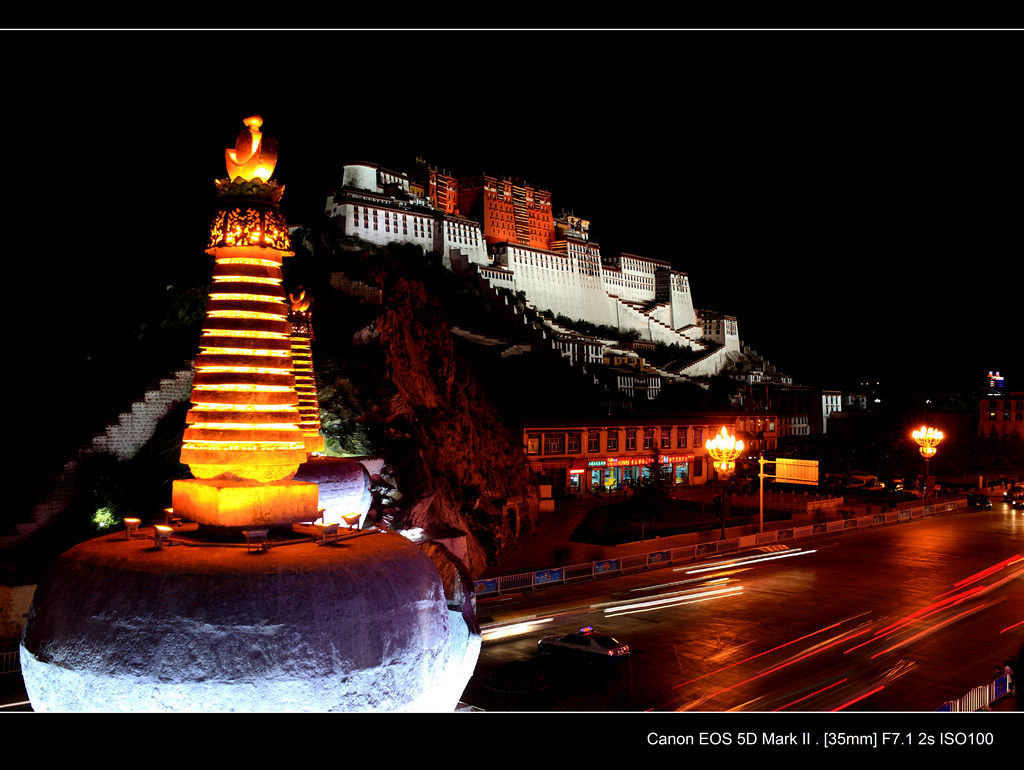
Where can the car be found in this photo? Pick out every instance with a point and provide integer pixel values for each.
(858, 480)
(1018, 504)
(586, 644)
(1013, 493)
(895, 483)
(979, 501)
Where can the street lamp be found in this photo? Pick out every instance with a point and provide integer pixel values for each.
(928, 441)
(724, 449)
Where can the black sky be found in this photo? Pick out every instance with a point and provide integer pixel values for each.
(854, 198)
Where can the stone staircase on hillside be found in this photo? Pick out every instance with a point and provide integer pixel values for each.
(123, 439)
(659, 330)
(707, 365)
(135, 427)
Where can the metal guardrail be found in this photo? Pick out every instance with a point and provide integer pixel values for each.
(981, 697)
(594, 569)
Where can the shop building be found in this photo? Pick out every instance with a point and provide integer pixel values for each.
(607, 454)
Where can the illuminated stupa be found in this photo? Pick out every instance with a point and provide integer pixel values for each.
(244, 441)
(301, 318)
(306, 618)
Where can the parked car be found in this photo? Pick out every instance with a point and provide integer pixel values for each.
(586, 644)
(979, 501)
(857, 480)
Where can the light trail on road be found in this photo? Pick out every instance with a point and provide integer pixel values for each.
(748, 560)
(675, 599)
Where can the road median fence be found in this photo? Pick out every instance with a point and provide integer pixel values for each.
(562, 575)
(981, 697)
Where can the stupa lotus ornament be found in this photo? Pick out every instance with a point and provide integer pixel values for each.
(300, 302)
(254, 155)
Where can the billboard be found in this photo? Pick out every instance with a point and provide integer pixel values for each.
(796, 471)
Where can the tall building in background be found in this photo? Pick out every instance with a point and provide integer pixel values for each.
(1000, 410)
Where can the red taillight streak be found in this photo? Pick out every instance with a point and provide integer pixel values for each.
(986, 572)
(862, 697)
(787, 663)
(811, 695)
(1013, 626)
(928, 630)
(932, 609)
(752, 657)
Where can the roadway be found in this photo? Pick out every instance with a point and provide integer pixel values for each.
(898, 618)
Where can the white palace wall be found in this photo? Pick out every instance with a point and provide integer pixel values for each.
(571, 280)
(554, 282)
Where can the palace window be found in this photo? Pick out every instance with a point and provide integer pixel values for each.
(613, 441)
(681, 437)
(593, 442)
(666, 438)
(630, 440)
(648, 438)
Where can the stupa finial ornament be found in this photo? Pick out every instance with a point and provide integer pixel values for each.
(254, 155)
(300, 302)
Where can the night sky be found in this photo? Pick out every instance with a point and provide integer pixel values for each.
(853, 198)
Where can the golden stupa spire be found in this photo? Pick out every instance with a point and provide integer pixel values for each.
(244, 421)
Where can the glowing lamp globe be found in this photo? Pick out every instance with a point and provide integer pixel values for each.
(724, 449)
(927, 440)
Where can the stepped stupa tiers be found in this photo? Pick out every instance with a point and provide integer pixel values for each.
(244, 441)
(301, 318)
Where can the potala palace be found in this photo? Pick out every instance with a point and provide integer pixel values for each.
(509, 236)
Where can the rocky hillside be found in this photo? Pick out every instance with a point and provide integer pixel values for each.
(392, 383)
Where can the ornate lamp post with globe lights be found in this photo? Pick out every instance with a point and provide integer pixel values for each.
(724, 449)
(927, 440)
